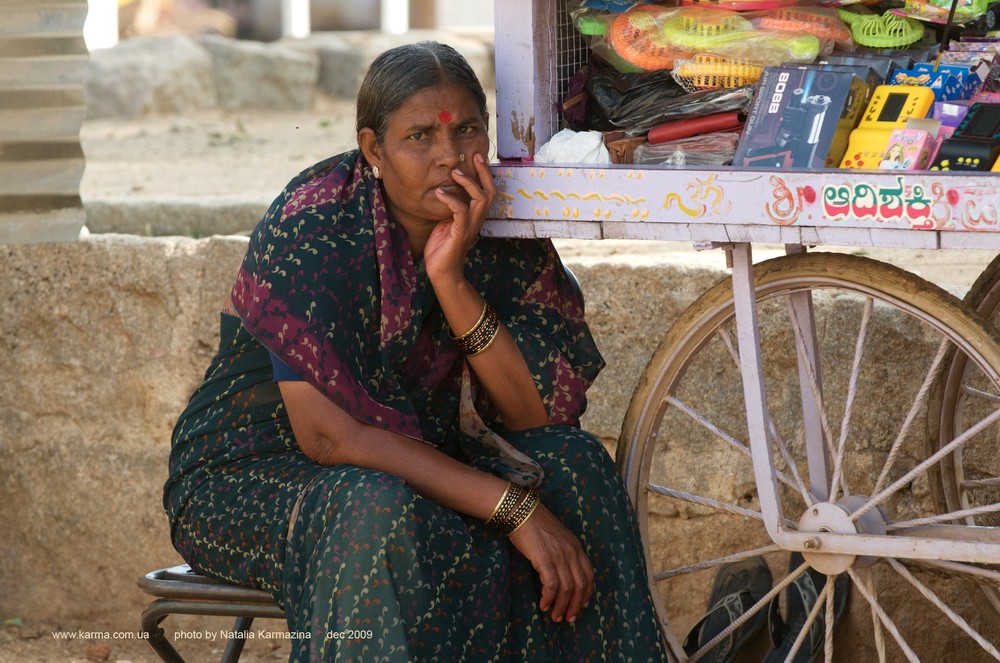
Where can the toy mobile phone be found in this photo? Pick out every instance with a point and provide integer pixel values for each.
(975, 145)
(889, 108)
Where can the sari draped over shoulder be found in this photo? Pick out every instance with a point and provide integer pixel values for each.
(328, 285)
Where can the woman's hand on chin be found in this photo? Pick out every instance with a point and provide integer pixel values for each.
(451, 239)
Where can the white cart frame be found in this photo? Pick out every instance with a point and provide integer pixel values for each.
(536, 51)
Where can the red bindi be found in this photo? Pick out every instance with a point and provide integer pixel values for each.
(444, 116)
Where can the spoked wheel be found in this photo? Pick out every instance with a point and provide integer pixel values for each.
(964, 395)
(849, 453)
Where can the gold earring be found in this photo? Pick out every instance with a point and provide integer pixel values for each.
(375, 172)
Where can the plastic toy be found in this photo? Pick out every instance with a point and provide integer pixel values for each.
(975, 145)
(652, 37)
(886, 30)
(741, 5)
(826, 26)
(981, 14)
(889, 108)
(636, 36)
(712, 71)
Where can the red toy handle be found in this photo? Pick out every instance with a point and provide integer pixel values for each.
(693, 127)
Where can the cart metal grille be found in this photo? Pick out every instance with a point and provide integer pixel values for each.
(571, 55)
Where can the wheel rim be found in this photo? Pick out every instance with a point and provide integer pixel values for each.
(681, 447)
(968, 477)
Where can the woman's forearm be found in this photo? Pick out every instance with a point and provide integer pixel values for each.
(501, 368)
(435, 475)
(330, 436)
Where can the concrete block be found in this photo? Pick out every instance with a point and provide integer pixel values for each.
(252, 74)
(147, 75)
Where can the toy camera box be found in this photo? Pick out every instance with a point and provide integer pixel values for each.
(800, 118)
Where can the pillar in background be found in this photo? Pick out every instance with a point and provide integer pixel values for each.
(42, 70)
(295, 22)
(101, 28)
(423, 14)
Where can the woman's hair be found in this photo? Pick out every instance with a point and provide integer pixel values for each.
(397, 74)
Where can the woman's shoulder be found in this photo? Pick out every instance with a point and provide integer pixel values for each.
(338, 168)
(321, 194)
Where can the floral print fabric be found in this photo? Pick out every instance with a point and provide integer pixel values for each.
(365, 568)
(330, 286)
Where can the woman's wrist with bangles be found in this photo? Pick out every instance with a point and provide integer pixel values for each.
(482, 334)
(514, 509)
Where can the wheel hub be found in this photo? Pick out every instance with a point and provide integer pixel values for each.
(836, 518)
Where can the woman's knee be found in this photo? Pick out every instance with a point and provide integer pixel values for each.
(575, 451)
(358, 494)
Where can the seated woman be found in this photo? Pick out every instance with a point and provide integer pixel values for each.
(387, 439)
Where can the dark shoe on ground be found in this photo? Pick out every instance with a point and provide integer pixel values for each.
(737, 587)
(800, 597)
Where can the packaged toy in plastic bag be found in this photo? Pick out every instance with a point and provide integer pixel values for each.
(617, 100)
(611, 5)
(937, 11)
(697, 104)
(824, 23)
(654, 36)
(711, 70)
(715, 149)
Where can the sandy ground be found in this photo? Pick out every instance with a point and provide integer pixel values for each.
(84, 642)
(252, 155)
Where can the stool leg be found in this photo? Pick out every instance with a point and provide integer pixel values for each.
(155, 613)
(234, 648)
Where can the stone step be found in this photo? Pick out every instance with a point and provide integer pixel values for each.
(190, 216)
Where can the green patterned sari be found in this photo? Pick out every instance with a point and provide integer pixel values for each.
(365, 568)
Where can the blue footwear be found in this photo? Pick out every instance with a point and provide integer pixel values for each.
(800, 597)
(737, 587)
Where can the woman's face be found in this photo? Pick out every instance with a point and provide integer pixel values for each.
(437, 130)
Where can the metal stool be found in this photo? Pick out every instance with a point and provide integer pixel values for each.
(184, 592)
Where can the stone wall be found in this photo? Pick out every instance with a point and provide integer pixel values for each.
(104, 340)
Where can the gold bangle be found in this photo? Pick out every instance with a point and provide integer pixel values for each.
(513, 496)
(485, 340)
(512, 518)
(472, 330)
(527, 515)
(482, 334)
(503, 498)
(521, 514)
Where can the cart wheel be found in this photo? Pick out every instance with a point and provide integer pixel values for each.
(881, 335)
(968, 477)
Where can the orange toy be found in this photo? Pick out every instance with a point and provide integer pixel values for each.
(636, 36)
(827, 27)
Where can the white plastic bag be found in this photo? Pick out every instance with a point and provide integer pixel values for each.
(570, 146)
